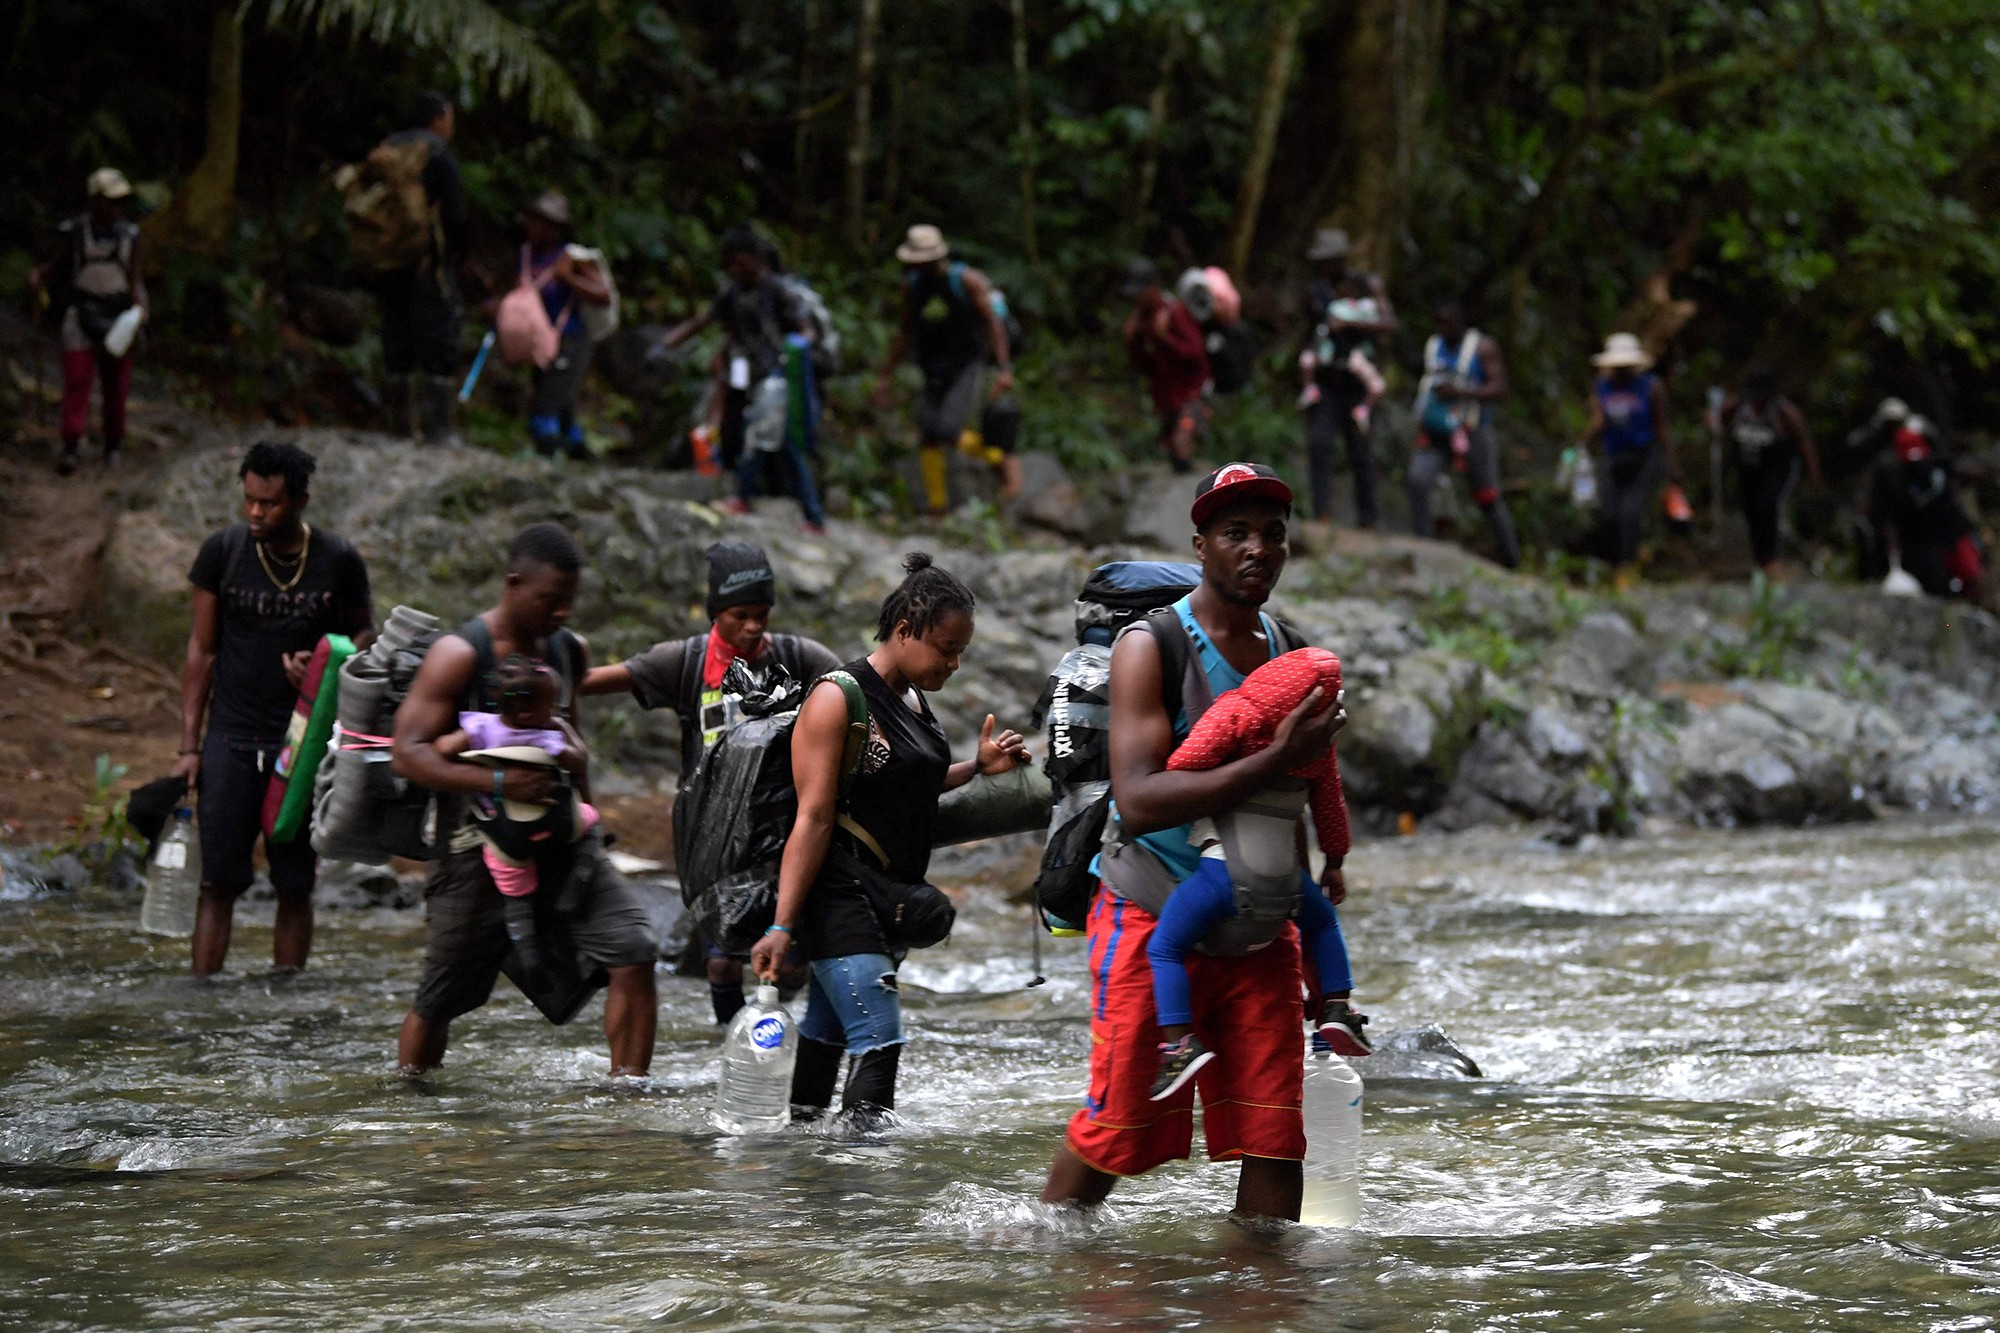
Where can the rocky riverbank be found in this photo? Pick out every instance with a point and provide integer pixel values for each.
(1477, 696)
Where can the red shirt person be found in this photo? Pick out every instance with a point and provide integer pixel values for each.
(1166, 346)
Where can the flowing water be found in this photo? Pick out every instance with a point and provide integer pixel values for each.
(1734, 1081)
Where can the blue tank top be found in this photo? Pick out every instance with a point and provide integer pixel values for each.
(555, 295)
(1171, 845)
(1628, 414)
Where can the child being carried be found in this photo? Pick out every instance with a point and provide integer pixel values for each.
(1244, 721)
(518, 835)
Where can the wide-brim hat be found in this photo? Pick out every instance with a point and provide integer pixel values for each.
(551, 207)
(1622, 351)
(923, 244)
(108, 183)
(523, 812)
(1237, 481)
(1330, 243)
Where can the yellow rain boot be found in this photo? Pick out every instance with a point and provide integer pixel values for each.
(937, 488)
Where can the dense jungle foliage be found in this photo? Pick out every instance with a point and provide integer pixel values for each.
(1806, 184)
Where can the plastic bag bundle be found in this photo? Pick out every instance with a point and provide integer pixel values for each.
(1076, 710)
(355, 788)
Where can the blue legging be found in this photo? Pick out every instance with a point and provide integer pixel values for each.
(1207, 898)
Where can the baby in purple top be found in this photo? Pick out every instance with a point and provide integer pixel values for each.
(514, 833)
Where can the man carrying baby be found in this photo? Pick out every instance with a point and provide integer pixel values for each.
(1246, 1007)
(466, 930)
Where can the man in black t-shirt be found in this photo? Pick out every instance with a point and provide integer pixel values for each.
(686, 676)
(265, 592)
(755, 310)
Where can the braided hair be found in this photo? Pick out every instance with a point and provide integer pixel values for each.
(926, 595)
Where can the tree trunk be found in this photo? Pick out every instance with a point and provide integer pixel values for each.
(1156, 129)
(802, 137)
(1024, 145)
(209, 192)
(1264, 130)
(857, 143)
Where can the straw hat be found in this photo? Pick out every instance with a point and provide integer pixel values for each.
(551, 207)
(108, 183)
(1622, 351)
(924, 245)
(1329, 243)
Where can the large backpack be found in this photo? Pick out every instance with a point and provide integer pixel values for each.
(734, 813)
(825, 337)
(524, 332)
(601, 321)
(390, 222)
(362, 811)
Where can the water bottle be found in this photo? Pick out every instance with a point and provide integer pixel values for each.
(173, 880)
(1333, 1142)
(755, 1095)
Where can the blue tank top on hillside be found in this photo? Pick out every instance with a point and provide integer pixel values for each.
(1171, 844)
(556, 295)
(1628, 414)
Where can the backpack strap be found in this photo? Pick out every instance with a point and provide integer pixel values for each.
(850, 757)
(474, 632)
(954, 276)
(566, 654)
(694, 661)
(1171, 637)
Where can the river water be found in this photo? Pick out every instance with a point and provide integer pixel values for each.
(1734, 1080)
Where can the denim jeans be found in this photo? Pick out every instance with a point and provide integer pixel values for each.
(852, 1002)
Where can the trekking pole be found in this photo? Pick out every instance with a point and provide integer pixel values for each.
(1035, 930)
(478, 364)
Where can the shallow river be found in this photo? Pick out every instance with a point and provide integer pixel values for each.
(1743, 1080)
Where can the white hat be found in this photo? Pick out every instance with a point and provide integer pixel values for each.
(1622, 350)
(502, 755)
(108, 183)
(1893, 409)
(923, 245)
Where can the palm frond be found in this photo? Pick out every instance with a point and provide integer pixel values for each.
(477, 36)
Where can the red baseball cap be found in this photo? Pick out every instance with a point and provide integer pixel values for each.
(1912, 445)
(1237, 481)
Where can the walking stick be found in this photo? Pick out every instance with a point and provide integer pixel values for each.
(478, 364)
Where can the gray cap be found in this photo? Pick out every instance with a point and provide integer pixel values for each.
(1139, 275)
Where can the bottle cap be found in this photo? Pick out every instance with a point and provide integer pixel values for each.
(767, 994)
(184, 812)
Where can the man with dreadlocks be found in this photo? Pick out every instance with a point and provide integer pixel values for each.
(881, 829)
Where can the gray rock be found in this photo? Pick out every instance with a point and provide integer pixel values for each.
(1157, 514)
(1554, 737)
(1600, 658)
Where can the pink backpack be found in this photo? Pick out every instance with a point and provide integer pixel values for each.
(1228, 304)
(525, 331)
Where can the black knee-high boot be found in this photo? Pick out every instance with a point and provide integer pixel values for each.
(813, 1077)
(871, 1083)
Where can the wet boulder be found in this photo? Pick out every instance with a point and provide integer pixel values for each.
(1603, 657)
(1404, 739)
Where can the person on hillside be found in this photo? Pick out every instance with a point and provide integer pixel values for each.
(422, 309)
(466, 938)
(949, 322)
(1336, 390)
(686, 675)
(1165, 344)
(1918, 519)
(1464, 381)
(265, 591)
(1245, 1006)
(96, 268)
(1628, 416)
(759, 315)
(880, 828)
(1768, 441)
(565, 283)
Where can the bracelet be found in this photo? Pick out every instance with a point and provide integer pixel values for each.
(769, 929)
(499, 784)
(195, 750)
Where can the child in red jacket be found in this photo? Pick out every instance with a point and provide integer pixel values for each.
(1244, 721)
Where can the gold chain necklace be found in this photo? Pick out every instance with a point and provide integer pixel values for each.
(264, 559)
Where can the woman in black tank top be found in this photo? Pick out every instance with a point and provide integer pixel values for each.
(883, 825)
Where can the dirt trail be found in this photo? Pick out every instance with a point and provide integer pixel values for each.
(66, 698)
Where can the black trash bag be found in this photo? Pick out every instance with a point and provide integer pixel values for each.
(736, 910)
(564, 981)
(149, 807)
(736, 809)
(1066, 884)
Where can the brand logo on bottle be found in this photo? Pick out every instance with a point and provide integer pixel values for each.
(768, 1034)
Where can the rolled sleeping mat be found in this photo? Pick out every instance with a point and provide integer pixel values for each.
(288, 798)
(345, 805)
(1017, 801)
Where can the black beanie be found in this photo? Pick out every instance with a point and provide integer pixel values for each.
(739, 574)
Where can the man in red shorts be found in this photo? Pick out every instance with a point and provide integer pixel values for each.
(1247, 1008)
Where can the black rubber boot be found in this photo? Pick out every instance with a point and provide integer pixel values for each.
(871, 1086)
(813, 1078)
(436, 397)
(727, 1000)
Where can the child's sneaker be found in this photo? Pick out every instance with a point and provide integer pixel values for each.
(1179, 1060)
(1340, 1027)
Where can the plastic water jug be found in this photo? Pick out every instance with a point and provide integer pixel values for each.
(755, 1095)
(1333, 1142)
(173, 880)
